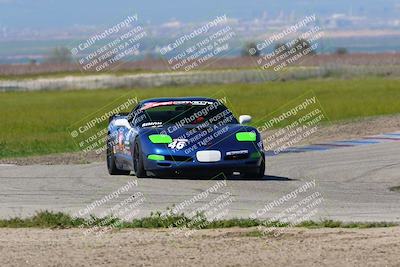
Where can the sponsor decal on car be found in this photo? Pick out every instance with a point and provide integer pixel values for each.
(152, 124)
(238, 152)
(170, 103)
(178, 144)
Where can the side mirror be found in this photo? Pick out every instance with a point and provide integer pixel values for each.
(243, 119)
(122, 123)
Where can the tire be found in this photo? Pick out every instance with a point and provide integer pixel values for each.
(112, 168)
(259, 173)
(138, 166)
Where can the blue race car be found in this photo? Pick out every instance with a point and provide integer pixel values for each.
(183, 136)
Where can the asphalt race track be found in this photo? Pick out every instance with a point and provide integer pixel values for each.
(354, 183)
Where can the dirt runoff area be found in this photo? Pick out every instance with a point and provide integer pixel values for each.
(219, 247)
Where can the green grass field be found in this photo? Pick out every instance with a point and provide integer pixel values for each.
(34, 123)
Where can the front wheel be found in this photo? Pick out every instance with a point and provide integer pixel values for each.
(138, 165)
(261, 169)
(257, 174)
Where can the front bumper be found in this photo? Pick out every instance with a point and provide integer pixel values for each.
(193, 166)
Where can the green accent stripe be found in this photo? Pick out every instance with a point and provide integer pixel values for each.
(160, 139)
(156, 157)
(246, 137)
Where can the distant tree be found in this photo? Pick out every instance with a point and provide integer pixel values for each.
(302, 45)
(60, 55)
(250, 49)
(341, 51)
(32, 61)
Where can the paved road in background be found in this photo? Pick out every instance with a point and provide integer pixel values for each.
(353, 185)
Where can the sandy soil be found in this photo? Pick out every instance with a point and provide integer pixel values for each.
(339, 131)
(222, 247)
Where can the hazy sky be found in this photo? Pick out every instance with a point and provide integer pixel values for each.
(58, 13)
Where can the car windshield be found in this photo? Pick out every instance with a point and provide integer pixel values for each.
(155, 114)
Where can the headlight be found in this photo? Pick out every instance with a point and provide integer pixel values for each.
(246, 136)
(160, 139)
